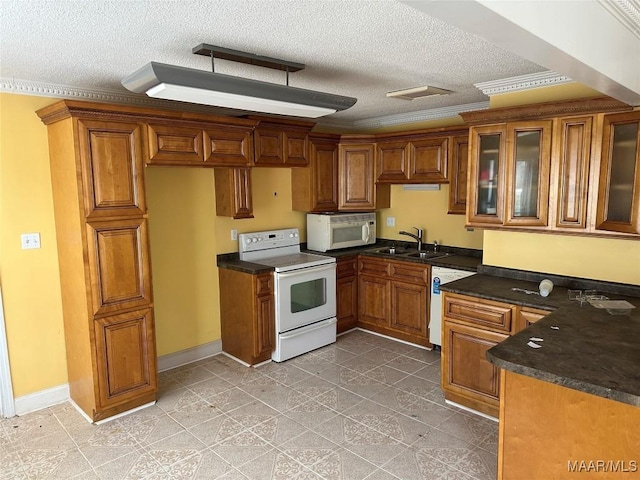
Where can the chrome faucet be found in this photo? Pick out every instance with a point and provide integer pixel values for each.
(418, 237)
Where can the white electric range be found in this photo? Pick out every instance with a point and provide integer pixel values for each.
(305, 290)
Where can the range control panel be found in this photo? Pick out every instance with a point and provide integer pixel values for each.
(256, 241)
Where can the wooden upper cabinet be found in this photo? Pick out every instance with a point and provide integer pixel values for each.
(486, 175)
(356, 176)
(233, 192)
(618, 206)
(112, 155)
(315, 188)
(528, 162)
(281, 144)
(393, 161)
(210, 145)
(418, 160)
(428, 160)
(570, 171)
(172, 145)
(458, 175)
(228, 146)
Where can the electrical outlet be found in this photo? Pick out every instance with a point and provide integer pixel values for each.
(234, 234)
(30, 240)
(391, 221)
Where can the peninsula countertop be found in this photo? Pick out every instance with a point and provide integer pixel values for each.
(582, 347)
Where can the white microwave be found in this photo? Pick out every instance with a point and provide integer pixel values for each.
(331, 231)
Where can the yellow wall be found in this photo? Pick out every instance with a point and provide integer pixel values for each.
(426, 210)
(596, 258)
(29, 278)
(183, 251)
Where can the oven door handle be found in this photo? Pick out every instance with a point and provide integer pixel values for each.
(307, 270)
(304, 331)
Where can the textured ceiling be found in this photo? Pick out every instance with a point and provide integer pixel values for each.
(361, 49)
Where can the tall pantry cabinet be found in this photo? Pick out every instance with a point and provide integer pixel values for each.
(101, 225)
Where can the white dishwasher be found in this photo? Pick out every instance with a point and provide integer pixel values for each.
(440, 276)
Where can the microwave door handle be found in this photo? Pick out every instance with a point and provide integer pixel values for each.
(368, 234)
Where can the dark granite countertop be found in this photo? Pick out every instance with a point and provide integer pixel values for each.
(591, 350)
(458, 258)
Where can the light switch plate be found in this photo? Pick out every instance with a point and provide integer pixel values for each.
(234, 234)
(30, 240)
(391, 221)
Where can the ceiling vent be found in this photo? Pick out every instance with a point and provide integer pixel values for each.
(418, 92)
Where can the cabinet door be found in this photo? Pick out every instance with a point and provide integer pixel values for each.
(465, 370)
(409, 308)
(347, 293)
(125, 357)
(393, 162)
(356, 177)
(233, 192)
(112, 168)
(295, 148)
(458, 175)
(315, 188)
(486, 175)
(269, 146)
(264, 322)
(428, 160)
(119, 265)
(228, 147)
(571, 174)
(171, 145)
(618, 208)
(528, 162)
(373, 300)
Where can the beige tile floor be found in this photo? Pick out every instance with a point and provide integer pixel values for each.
(363, 408)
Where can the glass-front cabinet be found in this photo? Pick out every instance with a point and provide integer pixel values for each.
(509, 174)
(486, 174)
(618, 206)
(528, 160)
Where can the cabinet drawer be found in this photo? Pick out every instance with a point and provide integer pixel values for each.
(494, 315)
(374, 266)
(407, 272)
(527, 316)
(173, 145)
(347, 267)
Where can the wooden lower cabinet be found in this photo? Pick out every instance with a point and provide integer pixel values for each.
(347, 293)
(471, 326)
(125, 358)
(468, 378)
(247, 315)
(393, 299)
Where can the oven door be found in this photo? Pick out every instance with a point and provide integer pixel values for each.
(305, 296)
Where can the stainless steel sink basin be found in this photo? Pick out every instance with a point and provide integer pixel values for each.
(427, 255)
(392, 251)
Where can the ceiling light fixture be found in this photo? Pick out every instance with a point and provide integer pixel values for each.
(170, 82)
(417, 92)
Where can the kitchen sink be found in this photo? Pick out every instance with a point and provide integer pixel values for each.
(392, 251)
(427, 255)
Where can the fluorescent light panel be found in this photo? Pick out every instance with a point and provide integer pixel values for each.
(238, 102)
(197, 86)
(418, 92)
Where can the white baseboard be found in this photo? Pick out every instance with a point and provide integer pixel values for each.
(42, 399)
(54, 395)
(189, 355)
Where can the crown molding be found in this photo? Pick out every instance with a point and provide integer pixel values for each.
(627, 12)
(522, 82)
(419, 116)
